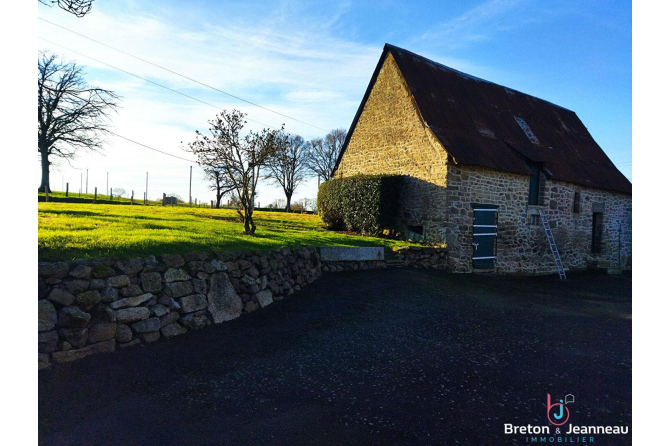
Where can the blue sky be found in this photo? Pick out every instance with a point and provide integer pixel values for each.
(312, 61)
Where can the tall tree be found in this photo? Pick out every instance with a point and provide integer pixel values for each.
(324, 152)
(219, 183)
(77, 7)
(239, 157)
(71, 115)
(288, 165)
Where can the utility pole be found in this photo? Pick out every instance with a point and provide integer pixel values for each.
(190, 178)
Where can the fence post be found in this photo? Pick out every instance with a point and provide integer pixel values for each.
(132, 197)
(111, 195)
(163, 198)
(95, 196)
(67, 189)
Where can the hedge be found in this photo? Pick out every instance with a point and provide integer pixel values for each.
(363, 203)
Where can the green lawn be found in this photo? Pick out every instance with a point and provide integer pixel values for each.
(73, 230)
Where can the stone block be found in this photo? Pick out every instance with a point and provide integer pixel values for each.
(192, 303)
(172, 330)
(223, 303)
(54, 270)
(101, 332)
(264, 298)
(46, 315)
(47, 341)
(151, 282)
(61, 297)
(147, 325)
(118, 281)
(179, 289)
(343, 253)
(176, 275)
(77, 337)
(87, 299)
(131, 301)
(123, 333)
(172, 260)
(73, 317)
(127, 315)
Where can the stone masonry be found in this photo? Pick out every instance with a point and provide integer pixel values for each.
(521, 243)
(95, 306)
(391, 138)
(99, 305)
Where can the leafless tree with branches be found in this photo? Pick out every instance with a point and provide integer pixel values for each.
(219, 183)
(71, 115)
(77, 7)
(288, 165)
(324, 152)
(239, 157)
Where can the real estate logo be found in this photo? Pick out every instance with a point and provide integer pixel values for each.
(558, 413)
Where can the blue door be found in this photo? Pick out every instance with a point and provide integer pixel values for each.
(484, 235)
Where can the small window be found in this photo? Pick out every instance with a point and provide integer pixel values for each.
(415, 233)
(577, 203)
(536, 183)
(416, 229)
(597, 233)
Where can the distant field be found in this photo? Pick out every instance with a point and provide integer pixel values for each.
(71, 230)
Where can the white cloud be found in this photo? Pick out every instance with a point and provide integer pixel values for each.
(475, 25)
(299, 71)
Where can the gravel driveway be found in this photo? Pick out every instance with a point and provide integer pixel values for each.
(394, 356)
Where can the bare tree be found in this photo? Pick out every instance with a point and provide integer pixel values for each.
(71, 115)
(308, 204)
(119, 192)
(279, 203)
(240, 158)
(324, 152)
(77, 7)
(218, 182)
(288, 165)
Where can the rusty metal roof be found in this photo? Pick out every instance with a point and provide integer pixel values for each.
(483, 124)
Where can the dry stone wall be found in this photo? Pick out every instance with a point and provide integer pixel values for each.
(391, 138)
(94, 306)
(434, 258)
(101, 305)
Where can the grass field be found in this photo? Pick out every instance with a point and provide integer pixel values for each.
(72, 230)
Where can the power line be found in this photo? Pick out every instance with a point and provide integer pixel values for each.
(150, 81)
(150, 148)
(181, 75)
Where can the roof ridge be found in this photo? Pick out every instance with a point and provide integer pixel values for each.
(464, 74)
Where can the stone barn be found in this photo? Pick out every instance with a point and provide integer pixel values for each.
(492, 173)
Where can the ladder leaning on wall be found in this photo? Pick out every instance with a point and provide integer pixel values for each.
(552, 244)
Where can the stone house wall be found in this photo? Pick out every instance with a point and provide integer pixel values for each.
(391, 138)
(522, 245)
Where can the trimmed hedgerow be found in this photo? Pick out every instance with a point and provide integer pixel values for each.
(363, 203)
